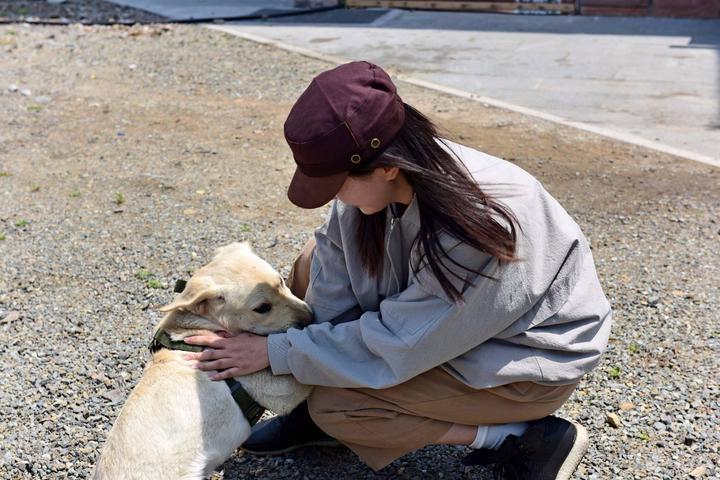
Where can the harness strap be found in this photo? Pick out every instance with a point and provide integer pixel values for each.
(250, 408)
(162, 339)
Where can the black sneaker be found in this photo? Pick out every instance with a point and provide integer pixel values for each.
(550, 449)
(284, 434)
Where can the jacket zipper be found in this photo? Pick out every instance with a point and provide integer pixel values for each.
(387, 248)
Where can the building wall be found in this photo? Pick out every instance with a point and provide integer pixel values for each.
(655, 8)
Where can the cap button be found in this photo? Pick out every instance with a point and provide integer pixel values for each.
(375, 142)
(355, 158)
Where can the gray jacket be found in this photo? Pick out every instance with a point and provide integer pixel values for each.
(544, 319)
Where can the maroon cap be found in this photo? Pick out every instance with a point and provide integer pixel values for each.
(344, 118)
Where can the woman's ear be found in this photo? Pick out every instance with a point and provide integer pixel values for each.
(390, 173)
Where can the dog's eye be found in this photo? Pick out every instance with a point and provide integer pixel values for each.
(264, 308)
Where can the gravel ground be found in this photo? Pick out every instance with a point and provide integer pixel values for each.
(80, 11)
(128, 154)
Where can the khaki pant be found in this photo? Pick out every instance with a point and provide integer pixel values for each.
(382, 425)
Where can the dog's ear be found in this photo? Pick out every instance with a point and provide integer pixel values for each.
(192, 297)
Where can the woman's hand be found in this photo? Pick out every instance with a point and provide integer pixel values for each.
(234, 356)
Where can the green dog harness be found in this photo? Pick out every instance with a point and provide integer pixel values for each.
(250, 408)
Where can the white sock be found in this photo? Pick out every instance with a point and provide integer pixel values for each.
(492, 436)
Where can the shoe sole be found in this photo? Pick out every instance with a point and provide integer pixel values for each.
(580, 446)
(320, 443)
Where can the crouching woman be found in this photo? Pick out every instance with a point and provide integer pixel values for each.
(455, 301)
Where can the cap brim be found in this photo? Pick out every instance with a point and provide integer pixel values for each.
(314, 192)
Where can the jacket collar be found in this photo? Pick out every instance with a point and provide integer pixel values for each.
(411, 215)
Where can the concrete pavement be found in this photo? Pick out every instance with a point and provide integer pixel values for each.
(651, 81)
(645, 79)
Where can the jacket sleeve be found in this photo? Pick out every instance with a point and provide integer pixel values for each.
(421, 328)
(413, 331)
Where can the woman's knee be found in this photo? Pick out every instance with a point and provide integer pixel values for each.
(322, 403)
(329, 406)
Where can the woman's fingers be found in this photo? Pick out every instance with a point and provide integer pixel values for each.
(215, 364)
(234, 356)
(206, 341)
(229, 373)
(207, 354)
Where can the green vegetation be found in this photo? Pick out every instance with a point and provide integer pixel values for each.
(149, 278)
(34, 108)
(5, 174)
(633, 348)
(119, 198)
(21, 223)
(144, 274)
(614, 372)
(2, 237)
(245, 227)
(75, 194)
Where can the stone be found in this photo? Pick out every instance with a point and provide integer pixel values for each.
(698, 472)
(614, 420)
(114, 396)
(10, 317)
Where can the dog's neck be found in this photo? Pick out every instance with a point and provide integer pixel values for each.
(278, 393)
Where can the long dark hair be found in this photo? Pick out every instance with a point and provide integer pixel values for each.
(448, 198)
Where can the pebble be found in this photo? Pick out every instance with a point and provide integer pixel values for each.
(10, 317)
(114, 396)
(614, 420)
(698, 472)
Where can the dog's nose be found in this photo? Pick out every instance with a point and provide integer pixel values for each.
(304, 319)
